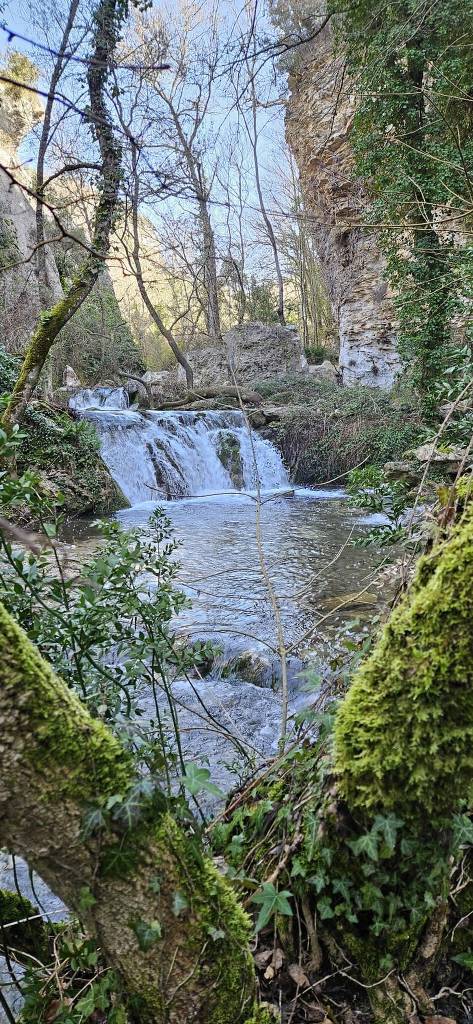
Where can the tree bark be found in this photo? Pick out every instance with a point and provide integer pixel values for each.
(59, 65)
(264, 213)
(108, 17)
(56, 764)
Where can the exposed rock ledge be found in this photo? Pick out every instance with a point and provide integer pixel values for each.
(318, 127)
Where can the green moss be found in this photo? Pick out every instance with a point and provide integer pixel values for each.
(260, 1016)
(404, 733)
(59, 734)
(216, 920)
(28, 936)
(66, 453)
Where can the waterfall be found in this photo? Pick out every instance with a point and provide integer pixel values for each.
(154, 455)
(99, 398)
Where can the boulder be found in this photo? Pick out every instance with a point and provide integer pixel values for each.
(70, 378)
(248, 352)
(258, 351)
(403, 469)
(452, 458)
(325, 371)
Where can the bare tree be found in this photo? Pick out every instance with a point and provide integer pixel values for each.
(138, 272)
(107, 22)
(179, 108)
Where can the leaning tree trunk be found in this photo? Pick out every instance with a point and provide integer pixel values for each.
(57, 767)
(138, 271)
(368, 847)
(108, 18)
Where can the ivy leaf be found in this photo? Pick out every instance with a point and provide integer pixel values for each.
(324, 908)
(179, 903)
(389, 827)
(465, 960)
(272, 902)
(147, 933)
(367, 844)
(463, 830)
(197, 779)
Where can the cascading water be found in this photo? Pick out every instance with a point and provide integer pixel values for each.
(174, 454)
(99, 398)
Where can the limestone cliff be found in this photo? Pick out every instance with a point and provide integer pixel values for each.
(318, 124)
(20, 111)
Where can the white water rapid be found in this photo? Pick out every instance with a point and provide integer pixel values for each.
(177, 454)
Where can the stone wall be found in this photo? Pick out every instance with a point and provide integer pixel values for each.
(318, 125)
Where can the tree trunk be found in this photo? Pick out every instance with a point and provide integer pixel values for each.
(57, 764)
(59, 65)
(108, 18)
(210, 270)
(369, 844)
(138, 271)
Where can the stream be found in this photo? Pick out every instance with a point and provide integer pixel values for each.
(203, 469)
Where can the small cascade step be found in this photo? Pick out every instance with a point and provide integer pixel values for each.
(178, 454)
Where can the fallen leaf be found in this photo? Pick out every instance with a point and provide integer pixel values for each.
(262, 958)
(298, 975)
(278, 957)
(439, 1020)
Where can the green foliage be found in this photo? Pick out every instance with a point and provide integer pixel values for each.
(262, 302)
(80, 989)
(197, 780)
(370, 489)
(113, 651)
(326, 430)
(271, 902)
(20, 67)
(413, 143)
(9, 367)
(97, 341)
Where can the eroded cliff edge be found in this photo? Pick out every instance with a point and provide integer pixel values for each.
(319, 119)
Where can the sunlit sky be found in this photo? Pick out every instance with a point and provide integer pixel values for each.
(40, 26)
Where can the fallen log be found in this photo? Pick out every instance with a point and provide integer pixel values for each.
(219, 391)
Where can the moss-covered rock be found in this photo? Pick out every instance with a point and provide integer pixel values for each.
(228, 450)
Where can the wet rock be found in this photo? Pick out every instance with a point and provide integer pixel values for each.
(348, 601)
(228, 451)
(252, 667)
(402, 469)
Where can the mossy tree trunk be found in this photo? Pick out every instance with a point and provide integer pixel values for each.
(370, 853)
(143, 889)
(108, 19)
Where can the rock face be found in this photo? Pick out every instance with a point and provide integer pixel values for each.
(318, 125)
(20, 302)
(250, 352)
